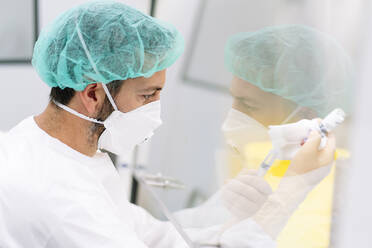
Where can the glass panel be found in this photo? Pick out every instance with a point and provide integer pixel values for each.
(290, 61)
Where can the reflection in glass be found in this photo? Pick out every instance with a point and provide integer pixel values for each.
(281, 74)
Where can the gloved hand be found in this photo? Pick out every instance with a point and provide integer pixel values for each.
(287, 139)
(244, 195)
(309, 157)
(308, 167)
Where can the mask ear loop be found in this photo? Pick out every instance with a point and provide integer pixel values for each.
(109, 97)
(294, 112)
(70, 110)
(94, 65)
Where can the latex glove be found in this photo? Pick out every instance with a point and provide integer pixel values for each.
(309, 166)
(244, 195)
(287, 138)
(309, 157)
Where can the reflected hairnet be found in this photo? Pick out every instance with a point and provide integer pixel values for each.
(295, 62)
(123, 43)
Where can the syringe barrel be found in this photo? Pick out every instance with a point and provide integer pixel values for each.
(332, 120)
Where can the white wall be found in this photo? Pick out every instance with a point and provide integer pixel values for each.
(21, 94)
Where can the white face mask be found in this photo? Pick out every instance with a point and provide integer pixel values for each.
(125, 130)
(240, 129)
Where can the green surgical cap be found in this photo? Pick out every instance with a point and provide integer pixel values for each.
(295, 62)
(103, 41)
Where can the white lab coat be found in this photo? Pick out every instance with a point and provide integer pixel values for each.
(54, 196)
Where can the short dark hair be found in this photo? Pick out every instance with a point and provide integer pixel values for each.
(65, 95)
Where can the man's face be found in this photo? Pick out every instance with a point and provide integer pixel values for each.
(133, 94)
(265, 107)
(140, 91)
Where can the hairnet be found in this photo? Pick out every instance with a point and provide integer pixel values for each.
(295, 62)
(121, 41)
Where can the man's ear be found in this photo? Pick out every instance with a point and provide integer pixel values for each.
(92, 98)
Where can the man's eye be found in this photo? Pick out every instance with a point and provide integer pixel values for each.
(147, 97)
(247, 106)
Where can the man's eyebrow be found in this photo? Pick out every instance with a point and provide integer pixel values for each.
(243, 98)
(150, 89)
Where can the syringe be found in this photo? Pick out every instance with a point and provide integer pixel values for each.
(330, 122)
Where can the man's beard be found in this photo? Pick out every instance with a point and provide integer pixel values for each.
(96, 129)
